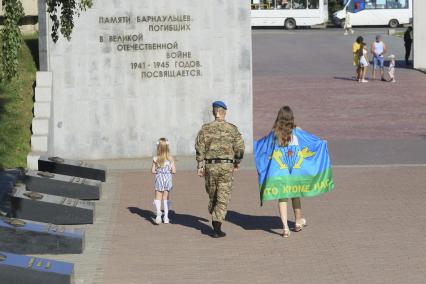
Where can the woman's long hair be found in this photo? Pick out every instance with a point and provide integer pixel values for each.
(163, 152)
(284, 125)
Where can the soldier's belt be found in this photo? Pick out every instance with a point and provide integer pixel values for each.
(219, 161)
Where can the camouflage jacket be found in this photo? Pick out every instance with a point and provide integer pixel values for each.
(219, 140)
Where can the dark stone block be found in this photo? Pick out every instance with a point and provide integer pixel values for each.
(6, 188)
(27, 237)
(23, 269)
(71, 168)
(53, 209)
(8, 179)
(61, 185)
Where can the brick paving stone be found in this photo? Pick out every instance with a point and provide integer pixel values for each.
(341, 109)
(368, 230)
(311, 70)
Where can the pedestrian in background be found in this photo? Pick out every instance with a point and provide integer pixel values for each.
(378, 49)
(408, 41)
(219, 150)
(391, 70)
(163, 166)
(363, 62)
(355, 52)
(348, 25)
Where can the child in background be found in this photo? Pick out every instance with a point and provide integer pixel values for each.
(363, 62)
(163, 166)
(391, 69)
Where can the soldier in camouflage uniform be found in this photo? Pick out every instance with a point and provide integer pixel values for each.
(219, 149)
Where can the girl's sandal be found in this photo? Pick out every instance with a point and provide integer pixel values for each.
(299, 226)
(286, 233)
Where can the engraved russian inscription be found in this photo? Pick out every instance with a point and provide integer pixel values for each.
(175, 62)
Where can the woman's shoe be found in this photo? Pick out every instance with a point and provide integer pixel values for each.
(286, 233)
(299, 226)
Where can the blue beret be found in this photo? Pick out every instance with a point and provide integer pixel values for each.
(219, 104)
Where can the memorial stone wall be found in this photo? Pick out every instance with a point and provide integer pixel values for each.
(419, 34)
(138, 70)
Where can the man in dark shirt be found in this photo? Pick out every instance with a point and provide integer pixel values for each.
(408, 41)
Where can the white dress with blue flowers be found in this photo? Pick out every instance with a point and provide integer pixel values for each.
(163, 176)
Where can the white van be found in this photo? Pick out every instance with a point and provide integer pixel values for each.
(390, 13)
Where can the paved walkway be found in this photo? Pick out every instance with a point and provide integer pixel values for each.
(311, 70)
(368, 230)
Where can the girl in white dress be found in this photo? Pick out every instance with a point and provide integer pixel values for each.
(163, 166)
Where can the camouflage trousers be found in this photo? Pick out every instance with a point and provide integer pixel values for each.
(219, 182)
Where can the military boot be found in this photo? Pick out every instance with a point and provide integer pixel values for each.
(217, 232)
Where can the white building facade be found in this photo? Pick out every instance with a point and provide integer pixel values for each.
(419, 34)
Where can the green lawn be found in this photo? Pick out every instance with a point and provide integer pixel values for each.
(16, 104)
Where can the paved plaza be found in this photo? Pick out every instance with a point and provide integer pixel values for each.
(370, 229)
(311, 70)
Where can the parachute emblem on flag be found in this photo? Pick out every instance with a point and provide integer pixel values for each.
(301, 169)
(291, 158)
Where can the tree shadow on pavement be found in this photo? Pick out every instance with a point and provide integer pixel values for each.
(185, 220)
(252, 222)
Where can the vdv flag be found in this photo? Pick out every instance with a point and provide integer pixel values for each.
(301, 169)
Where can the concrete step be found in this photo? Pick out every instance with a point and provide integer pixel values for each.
(43, 94)
(40, 126)
(39, 143)
(42, 109)
(32, 159)
(44, 79)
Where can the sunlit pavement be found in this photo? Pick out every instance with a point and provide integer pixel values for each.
(368, 230)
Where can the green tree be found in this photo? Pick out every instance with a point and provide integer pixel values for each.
(68, 9)
(62, 14)
(10, 37)
(334, 6)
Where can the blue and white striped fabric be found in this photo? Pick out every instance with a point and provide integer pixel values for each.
(163, 177)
